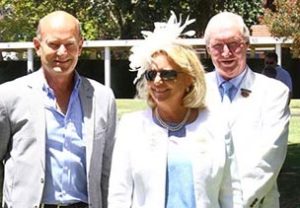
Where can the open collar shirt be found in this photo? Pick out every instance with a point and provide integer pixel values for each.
(66, 180)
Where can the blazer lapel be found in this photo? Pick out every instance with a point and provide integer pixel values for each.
(158, 145)
(243, 95)
(213, 97)
(37, 109)
(87, 102)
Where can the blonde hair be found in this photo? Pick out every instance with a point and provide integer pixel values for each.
(185, 58)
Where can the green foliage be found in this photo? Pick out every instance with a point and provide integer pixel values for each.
(285, 22)
(125, 19)
(20, 18)
(115, 19)
(249, 10)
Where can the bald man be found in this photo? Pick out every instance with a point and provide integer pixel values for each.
(56, 127)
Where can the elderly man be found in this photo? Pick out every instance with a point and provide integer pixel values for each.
(256, 110)
(56, 127)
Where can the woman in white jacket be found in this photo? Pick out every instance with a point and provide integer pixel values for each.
(171, 155)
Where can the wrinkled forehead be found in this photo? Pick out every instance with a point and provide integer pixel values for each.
(226, 32)
(60, 34)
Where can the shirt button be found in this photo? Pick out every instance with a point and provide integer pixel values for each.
(42, 180)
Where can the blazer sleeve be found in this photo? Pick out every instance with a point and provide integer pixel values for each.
(4, 130)
(271, 153)
(4, 141)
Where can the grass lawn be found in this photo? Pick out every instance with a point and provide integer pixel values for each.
(289, 178)
(130, 105)
(294, 135)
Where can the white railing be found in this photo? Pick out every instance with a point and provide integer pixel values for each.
(255, 42)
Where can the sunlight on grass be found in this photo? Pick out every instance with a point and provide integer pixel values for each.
(294, 134)
(294, 130)
(130, 105)
(295, 103)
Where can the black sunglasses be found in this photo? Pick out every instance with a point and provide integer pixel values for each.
(164, 74)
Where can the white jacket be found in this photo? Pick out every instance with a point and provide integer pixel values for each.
(138, 174)
(259, 116)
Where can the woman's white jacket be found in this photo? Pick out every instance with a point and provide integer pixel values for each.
(139, 164)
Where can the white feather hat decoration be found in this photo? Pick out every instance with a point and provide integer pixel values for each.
(165, 34)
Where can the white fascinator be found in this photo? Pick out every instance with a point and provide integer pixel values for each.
(165, 34)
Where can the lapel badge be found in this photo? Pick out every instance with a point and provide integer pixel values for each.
(245, 92)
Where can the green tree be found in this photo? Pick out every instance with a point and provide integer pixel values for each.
(249, 10)
(115, 19)
(125, 19)
(20, 18)
(285, 22)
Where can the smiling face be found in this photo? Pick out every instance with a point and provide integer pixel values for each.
(59, 43)
(228, 50)
(167, 92)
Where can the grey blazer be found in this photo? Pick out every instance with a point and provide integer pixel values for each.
(22, 139)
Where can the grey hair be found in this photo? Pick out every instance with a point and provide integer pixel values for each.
(226, 17)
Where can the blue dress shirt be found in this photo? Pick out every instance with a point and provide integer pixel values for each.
(66, 180)
(235, 81)
(284, 76)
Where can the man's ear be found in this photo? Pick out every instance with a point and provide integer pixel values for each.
(37, 45)
(208, 50)
(80, 45)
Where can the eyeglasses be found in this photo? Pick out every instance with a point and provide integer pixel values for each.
(164, 74)
(232, 46)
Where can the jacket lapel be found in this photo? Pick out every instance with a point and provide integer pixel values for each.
(213, 97)
(37, 109)
(87, 102)
(158, 145)
(242, 97)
